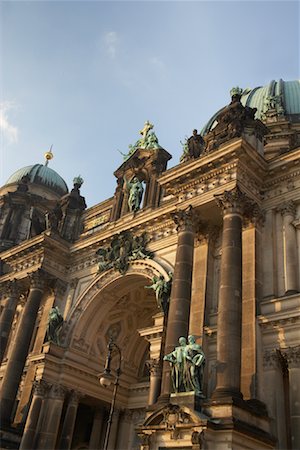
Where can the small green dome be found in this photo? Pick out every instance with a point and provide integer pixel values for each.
(287, 92)
(42, 175)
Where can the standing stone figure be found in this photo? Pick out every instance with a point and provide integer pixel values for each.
(55, 322)
(187, 366)
(135, 188)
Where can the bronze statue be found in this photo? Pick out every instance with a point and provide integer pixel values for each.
(162, 290)
(55, 322)
(135, 188)
(187, 362)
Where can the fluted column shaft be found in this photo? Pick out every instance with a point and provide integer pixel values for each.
(7, 316)
(27, 442)
(155, 380)
(179, 309)
(69, 422)
(230, 298)
(20, 348)
(51, 420)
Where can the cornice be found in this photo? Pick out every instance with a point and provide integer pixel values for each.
(237, 148)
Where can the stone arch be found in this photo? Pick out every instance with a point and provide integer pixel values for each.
(118, 304)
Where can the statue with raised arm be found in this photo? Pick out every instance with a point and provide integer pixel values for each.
(135, 188)
(162, 290)
(55, 322)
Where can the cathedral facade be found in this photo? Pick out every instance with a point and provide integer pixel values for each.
(208, 251)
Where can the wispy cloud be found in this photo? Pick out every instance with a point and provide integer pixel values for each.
(158, 63)
(7, 129)
(111, 40)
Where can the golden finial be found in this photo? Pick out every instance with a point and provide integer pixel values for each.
(48, 155)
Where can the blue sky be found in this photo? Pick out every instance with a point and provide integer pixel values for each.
(84, 76)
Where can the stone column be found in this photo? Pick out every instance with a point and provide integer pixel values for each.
(53, 409)
(252, 293)
(125, 430)
(230, 297)
(293, 359)
(69, 422)
(94, 443)
(273, 396)
(7, 315)
(20, 348)
(155, 367)
(290, 248)
(39, 391)
(179, 309)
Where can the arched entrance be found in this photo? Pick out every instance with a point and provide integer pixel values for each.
(113, 306)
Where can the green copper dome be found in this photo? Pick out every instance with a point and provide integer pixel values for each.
(42, 175)
(285, 93)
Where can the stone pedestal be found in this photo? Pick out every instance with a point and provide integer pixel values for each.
(189, 399)
(20, 348)
(236, 424)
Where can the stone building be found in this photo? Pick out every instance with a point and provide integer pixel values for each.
(223, 226)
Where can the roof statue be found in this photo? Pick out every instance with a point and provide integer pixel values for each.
(148, 140)
(192, 147)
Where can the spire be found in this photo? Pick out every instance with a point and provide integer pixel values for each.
(48, 155)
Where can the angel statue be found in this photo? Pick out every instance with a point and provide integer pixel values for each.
(162, 290)
(55, 322)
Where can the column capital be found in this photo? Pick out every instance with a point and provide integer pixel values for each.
(292, 356)
(154, 366)
(185, 220)
(270, 360)
(57, 391)
(232, 201)
(40, 388)
(11, 289)
(253, 214)
(288, 209)
(37, 280)
(74, 397)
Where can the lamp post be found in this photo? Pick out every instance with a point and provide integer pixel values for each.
(106, 379)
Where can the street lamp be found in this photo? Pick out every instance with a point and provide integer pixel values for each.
(106, 379)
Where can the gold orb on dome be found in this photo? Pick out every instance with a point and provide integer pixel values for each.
(48, 155)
